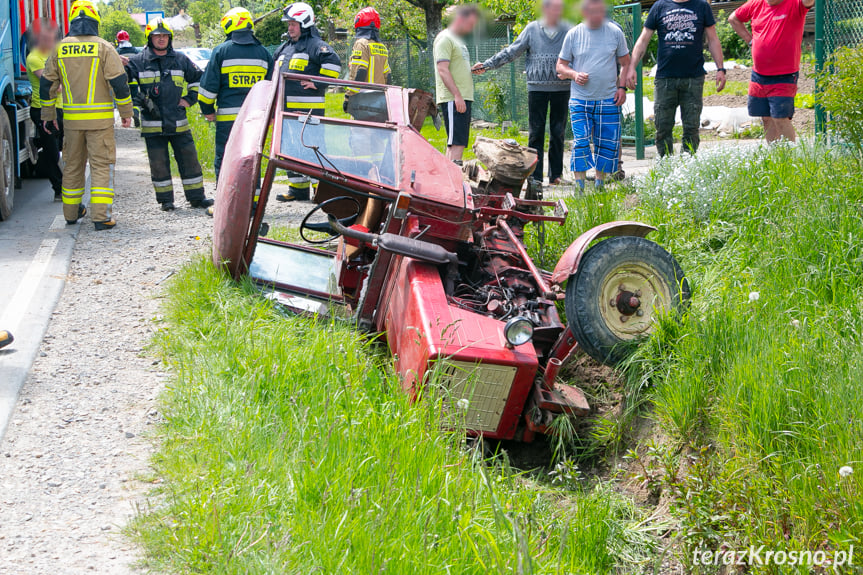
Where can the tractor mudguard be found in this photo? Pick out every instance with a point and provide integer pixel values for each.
(239, 176)
(568, 262)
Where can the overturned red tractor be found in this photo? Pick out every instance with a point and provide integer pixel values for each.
(432, 256)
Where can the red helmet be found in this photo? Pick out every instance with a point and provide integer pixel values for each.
(367, 17)
(122, 36)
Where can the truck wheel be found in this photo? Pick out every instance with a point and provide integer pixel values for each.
(7, 173)
(615, 295)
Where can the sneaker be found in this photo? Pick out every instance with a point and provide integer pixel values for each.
(168, 206)
(5, 338)
(82, 211)
(106, 225)
(205, 203)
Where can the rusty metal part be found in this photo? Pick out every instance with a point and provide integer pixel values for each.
(630, 296)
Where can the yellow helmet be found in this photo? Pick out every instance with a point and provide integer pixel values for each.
(156, 26)
(237, 19)
(85, 9)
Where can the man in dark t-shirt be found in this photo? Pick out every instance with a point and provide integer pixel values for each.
(682, 26)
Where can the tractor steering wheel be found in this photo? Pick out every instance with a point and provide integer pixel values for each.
(324, 227)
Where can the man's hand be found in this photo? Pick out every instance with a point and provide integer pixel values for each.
(210, 117)
(124, 60)
(460, 106)
(308, 85)
(619, 97)
(54, 123)
(126, 122)
(184, 103)
(631, 77)
(720, 80)
(478, 68)
(580, 78)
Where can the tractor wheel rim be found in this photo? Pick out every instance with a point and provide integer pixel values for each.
(631, 296)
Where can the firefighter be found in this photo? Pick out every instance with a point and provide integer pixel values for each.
(90, 70)
(304, 53)
(157, 76)
(124, 45)
(369, 57)
(235, 66)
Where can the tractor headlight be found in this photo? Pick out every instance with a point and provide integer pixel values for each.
(518, 331)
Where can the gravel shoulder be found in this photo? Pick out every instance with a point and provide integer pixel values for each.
(74, 461)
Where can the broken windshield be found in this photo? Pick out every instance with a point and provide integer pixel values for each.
(362, 151)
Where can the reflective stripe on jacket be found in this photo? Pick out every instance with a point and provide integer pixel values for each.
(310, 56)
(233, 69)
(163, 79)
(92, 76)
(369, 62)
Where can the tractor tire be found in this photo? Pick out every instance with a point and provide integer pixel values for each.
(614, 297)
(7, 167)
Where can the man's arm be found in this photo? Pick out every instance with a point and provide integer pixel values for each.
(808, 3)
(715, 47)
(192, 74)
(506, 55)
(115, 73)
(446, 78)
(738, 26)
(49, 85)
(638, 52)
(620, 92)
(208, 90)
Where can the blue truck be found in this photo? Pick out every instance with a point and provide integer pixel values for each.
(18, 142)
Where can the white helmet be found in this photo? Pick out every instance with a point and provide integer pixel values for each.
(299, 12)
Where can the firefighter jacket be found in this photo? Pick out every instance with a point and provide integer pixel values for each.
(235, 66)
(310, 56)
(157, 84)
(126, 49)
(89, 70)
(369, 58)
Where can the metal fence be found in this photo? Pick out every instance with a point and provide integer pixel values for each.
(838, 23)
(500, 96)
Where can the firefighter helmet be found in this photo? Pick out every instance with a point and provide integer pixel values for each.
(299, 12)
(84, 9)
(158, 26)
(237, 19)
(122, 36)
(367, 17)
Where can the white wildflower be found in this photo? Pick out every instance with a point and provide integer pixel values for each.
(845, 471)
(795, 323)
(462, 404)
(754, 296)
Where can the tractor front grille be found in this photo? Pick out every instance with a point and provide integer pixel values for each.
(476, 393)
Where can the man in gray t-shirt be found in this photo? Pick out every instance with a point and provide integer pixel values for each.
(589, 58)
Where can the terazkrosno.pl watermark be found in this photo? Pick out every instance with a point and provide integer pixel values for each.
(753, 555)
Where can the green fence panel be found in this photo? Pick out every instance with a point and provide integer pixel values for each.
(838, 23)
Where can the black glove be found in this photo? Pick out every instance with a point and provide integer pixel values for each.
(150, 108)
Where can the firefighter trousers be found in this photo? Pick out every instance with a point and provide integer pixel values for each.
(187, 161)
(223, 132)
(96, 147)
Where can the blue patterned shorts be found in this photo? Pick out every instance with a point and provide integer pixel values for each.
(597, 122)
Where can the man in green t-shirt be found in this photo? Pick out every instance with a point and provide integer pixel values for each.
(453, 79)
(45, 32)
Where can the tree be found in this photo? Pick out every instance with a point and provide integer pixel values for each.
(433, 12)
(115, 20)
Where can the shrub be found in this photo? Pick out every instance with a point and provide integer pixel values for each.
(115, 20)
(733, 46)
(841, 95)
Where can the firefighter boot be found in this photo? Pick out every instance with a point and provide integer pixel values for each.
(299, 187)
(82, 211)
(205, 203)
(106, 225)
(5, 338)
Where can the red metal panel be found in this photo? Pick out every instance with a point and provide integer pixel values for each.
(568, 262)
(421, 326)
(239, 175)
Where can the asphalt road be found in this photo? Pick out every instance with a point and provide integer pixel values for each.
(35, 248)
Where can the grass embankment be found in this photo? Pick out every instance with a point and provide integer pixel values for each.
(288, 447)
(759, 387)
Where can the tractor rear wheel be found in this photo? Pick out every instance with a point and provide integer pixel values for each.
(7, 167)
(620, 287)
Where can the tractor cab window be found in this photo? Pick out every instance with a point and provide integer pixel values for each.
(362, 151)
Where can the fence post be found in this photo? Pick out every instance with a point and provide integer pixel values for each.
(639, 88)
(408, 52)
(820, 120)
(512, 103)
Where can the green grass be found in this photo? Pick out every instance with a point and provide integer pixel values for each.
(764, 372)
(289, 447)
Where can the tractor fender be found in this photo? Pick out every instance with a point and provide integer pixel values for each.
(568, 262)
(238, 177)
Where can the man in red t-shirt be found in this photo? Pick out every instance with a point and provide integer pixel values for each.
(776, 38)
